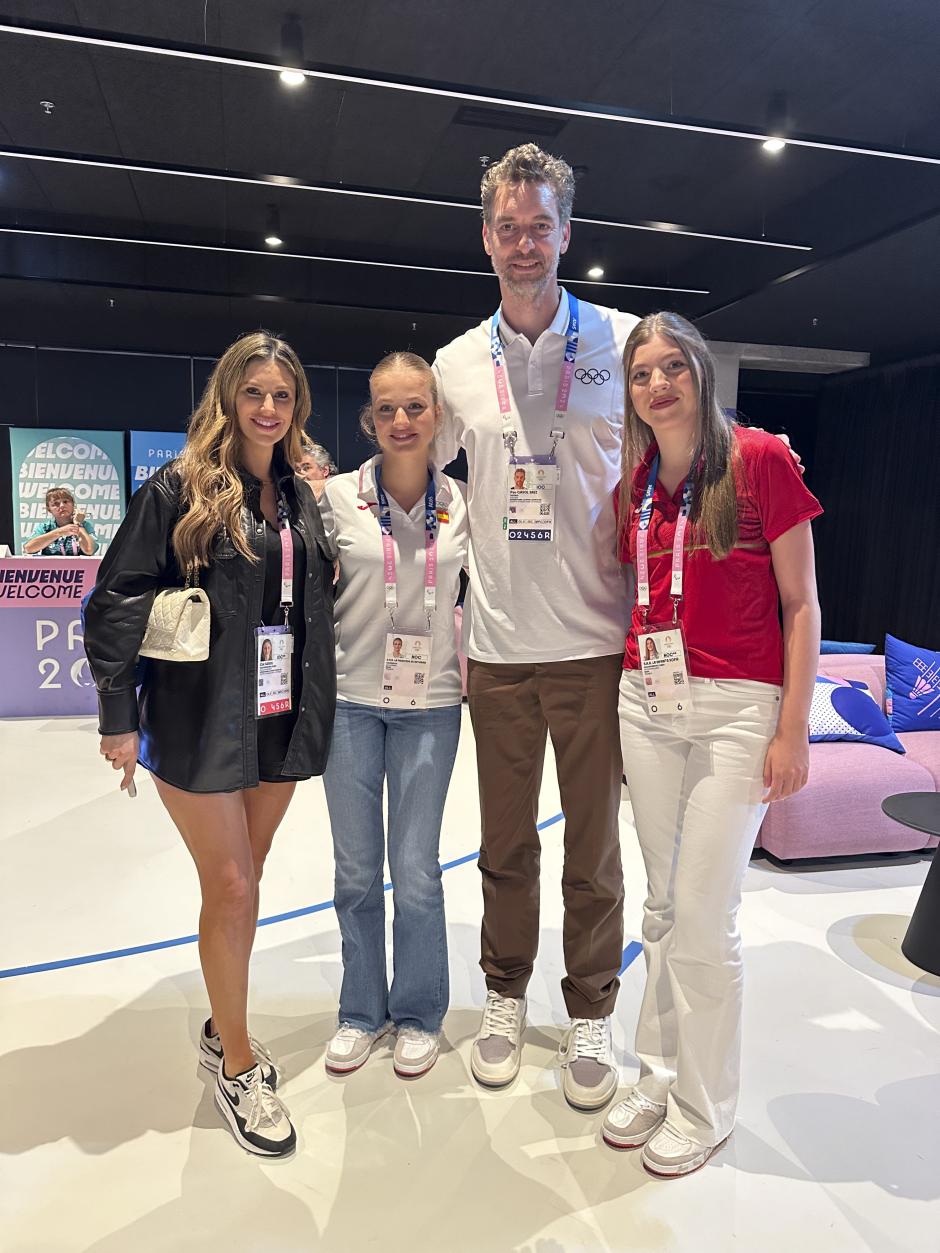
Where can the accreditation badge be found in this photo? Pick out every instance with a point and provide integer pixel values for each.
(665, 669)
(530, 504)
(275, 648)
(406, 671)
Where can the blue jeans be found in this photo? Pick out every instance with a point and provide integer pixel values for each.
(414, 750)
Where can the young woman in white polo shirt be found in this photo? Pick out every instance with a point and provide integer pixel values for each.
(716, 521)
(402, 537)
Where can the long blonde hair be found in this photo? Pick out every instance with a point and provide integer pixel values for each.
(714, 494)
(212, 491)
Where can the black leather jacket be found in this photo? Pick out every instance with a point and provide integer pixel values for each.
(197, 719)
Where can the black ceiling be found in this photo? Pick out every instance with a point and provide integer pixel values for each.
(849, 73)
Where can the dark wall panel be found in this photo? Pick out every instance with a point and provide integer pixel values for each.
(18, 386)
(791, 413)
(352, 392)
(112, 391)
(876, 474)
(323, 425)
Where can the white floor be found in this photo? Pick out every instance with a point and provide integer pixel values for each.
(109, 1140)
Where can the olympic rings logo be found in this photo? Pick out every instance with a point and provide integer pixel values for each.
(600, 377)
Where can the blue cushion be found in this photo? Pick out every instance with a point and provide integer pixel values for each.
(847, 711)
(912, 687)
(834, 646)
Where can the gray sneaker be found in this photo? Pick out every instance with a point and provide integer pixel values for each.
(415, 1052)
(587, 1059)
(631, 1122)
(668, 1154)
(351, 1047)
(496, 1053)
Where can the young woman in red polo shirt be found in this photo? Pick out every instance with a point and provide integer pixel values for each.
(715, 519)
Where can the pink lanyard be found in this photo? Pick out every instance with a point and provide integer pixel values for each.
(388, 548)
(678, 550)
(287, 558)
(563, 395)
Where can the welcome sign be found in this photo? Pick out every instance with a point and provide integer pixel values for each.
(89, 463)
(150, 450)
(47, 675)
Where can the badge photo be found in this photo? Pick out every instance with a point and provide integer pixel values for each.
(405, 671)
(665, 669)
(275, 646)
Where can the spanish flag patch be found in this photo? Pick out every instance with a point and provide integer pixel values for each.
(443, 515)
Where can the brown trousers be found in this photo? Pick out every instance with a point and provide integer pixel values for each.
(512, 707)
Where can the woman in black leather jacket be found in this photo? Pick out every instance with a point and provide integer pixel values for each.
(221, 512)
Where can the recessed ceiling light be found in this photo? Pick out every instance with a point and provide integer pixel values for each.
(596, 271)
(774, 145)
(272, 235)
(292, 52)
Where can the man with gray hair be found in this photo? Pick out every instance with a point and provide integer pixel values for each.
(315, 466)
(539, 386)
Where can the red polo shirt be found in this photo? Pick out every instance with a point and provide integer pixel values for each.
(730, 611)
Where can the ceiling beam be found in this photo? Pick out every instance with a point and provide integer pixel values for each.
(286, 182)
(352, 77)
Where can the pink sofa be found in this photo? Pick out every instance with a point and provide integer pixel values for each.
(839, 810)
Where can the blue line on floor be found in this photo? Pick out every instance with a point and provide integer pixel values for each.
(630, 954)
(192, 939)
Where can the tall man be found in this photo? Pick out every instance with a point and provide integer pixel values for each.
(541, 385)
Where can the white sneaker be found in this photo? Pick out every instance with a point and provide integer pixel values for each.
(415, 1052)
(210, 1055)
(351, 1047)
(496, 1054)
(667, 1154)
(586, 1057)
(258, 1120)
(631, 1122)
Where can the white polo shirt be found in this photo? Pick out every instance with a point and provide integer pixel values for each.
(349, 507)
(532, 602)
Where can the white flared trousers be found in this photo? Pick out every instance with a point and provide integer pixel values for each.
(695, 781)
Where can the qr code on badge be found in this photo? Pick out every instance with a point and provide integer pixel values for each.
(544, 510)
(419, 679)
(678, 678)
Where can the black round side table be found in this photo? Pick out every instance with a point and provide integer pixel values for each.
(921, 945)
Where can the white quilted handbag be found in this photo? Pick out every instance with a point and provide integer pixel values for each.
(178, 626)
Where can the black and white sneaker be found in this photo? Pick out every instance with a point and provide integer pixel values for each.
(258, 1120)
(210, 1055)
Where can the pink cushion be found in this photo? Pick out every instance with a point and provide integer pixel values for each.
(867, 667)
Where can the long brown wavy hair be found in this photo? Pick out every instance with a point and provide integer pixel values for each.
(212, 490)
(714, 496)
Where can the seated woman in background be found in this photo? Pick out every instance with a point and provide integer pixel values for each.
(68, 533)
(227, 515)
(402, 535)
(714, 707)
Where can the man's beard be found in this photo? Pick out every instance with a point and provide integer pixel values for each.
(530, 290)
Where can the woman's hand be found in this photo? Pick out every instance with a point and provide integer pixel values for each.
(786, 766)
(121, 751)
